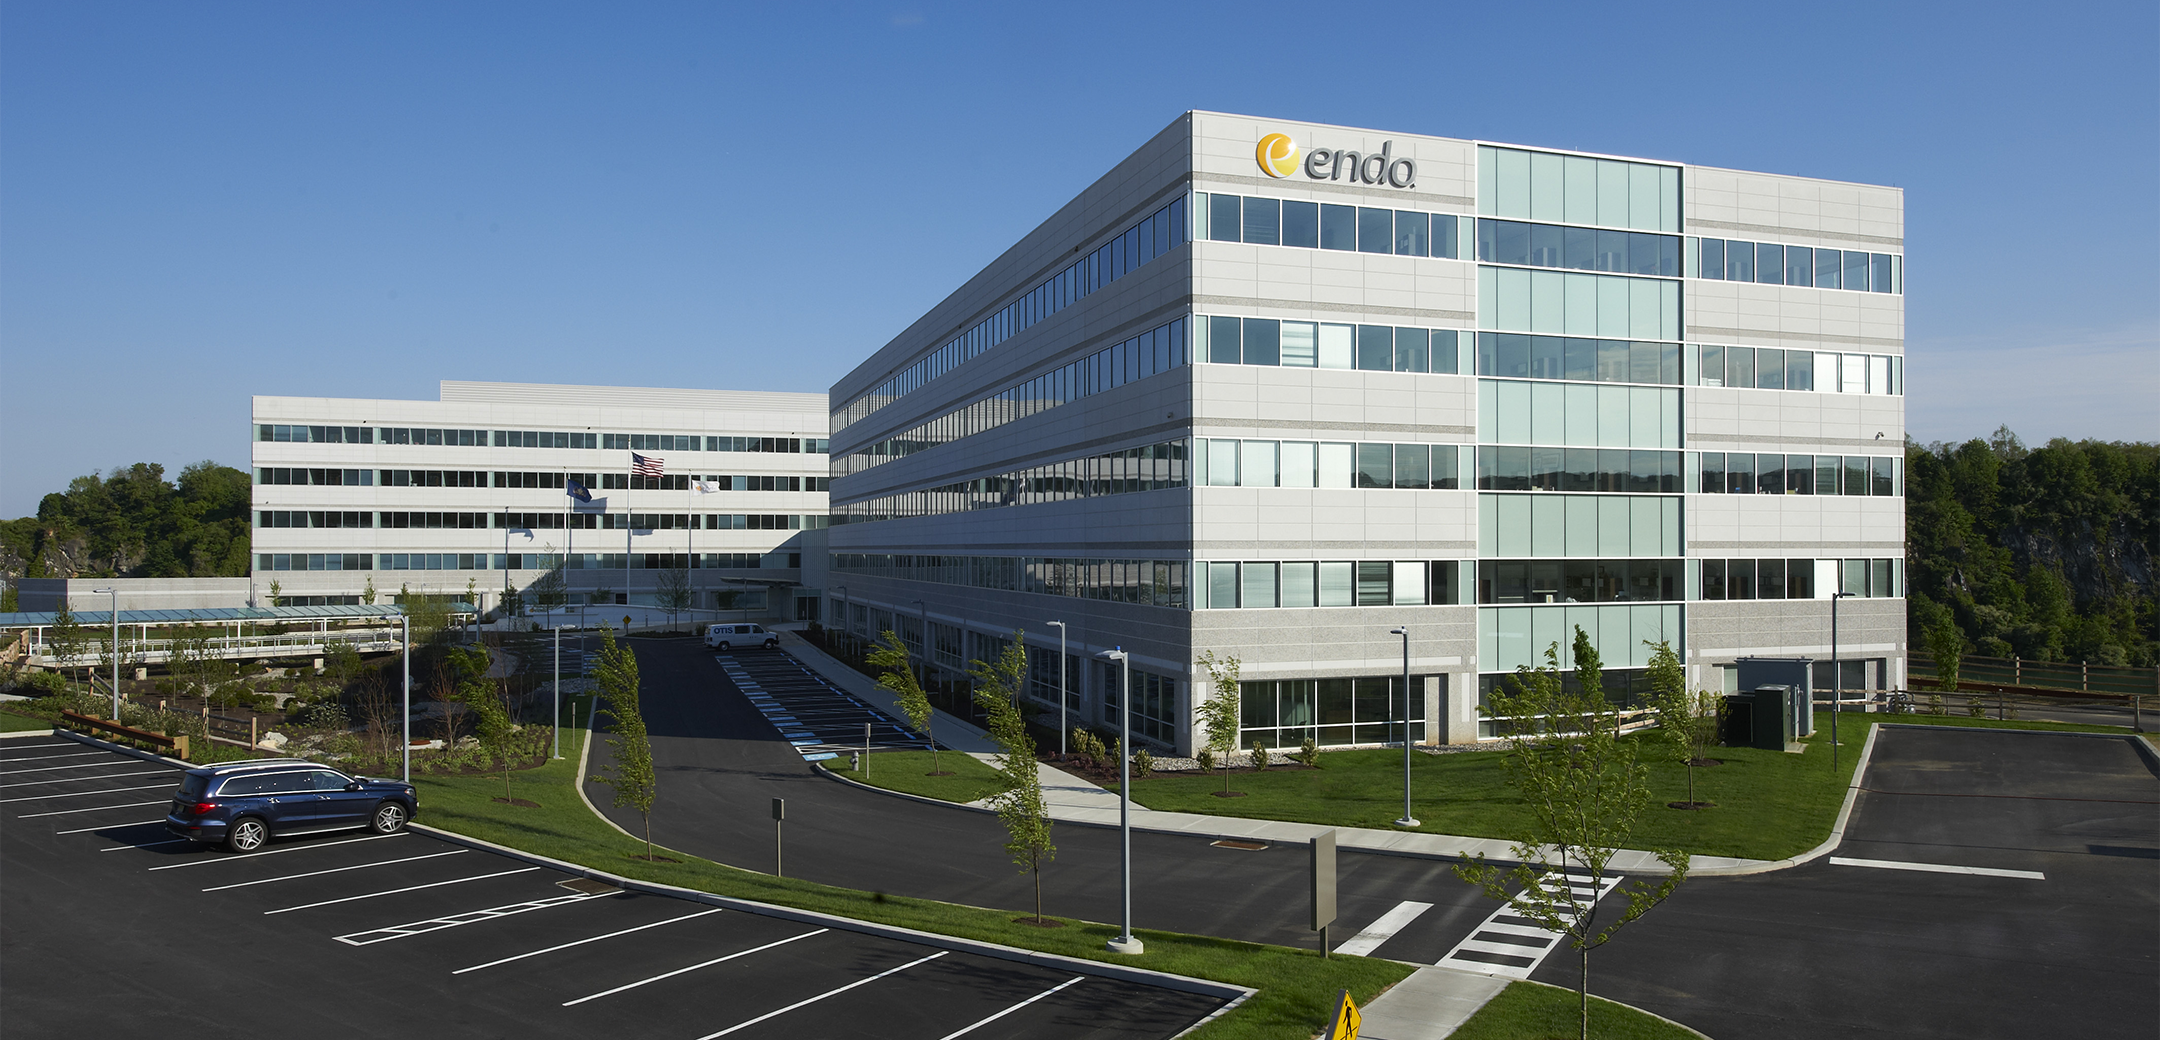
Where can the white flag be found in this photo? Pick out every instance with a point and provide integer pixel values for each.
(704, 487)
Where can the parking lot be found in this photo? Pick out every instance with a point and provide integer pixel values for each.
(819, 720)
(112, 925)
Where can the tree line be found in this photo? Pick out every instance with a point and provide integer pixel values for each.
(2046, 553)
(135, 523)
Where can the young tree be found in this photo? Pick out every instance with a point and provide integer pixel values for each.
(491, 723)
(674, 593)
(1947, 645)
(1689, 718)
(67, 641)
(1585, 791)
(890, 657)
(367, 594)
(1219, 712)
(276, 593)
(1019, 803)
(631, 774)
(551, 589)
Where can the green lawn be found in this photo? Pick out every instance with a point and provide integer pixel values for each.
(1297, 987)
(971, 779)
(10, 722)
(1534, 1011)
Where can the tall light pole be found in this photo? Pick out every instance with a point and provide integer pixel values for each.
(113, 650)
(1837, 682)
(1060, 626)
(1407, 819)
(405, 626)
(1124, 943)
(558, 691)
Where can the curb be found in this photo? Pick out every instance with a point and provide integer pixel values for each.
(819, 768)
(26, 733)
(1630, 1007)
(1830, 844)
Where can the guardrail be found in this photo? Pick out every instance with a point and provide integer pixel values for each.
(177, 745)
(291, 644)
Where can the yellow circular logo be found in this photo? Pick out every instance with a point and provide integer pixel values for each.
(1278, 155)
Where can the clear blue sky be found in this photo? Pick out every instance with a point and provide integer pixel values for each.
(203, 201)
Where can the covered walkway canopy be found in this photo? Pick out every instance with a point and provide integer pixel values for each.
(243, 632)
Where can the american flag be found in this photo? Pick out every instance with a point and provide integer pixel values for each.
(643, 466)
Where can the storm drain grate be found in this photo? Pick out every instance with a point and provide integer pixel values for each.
(1241, 846)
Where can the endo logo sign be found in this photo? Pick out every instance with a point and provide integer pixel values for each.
(1278, 157)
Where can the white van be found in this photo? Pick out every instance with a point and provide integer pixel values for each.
(724, 637)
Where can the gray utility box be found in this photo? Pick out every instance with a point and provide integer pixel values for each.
(1760, 718)
(1796, 672)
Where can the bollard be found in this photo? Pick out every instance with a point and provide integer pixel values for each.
(866, 745)
(779, 813)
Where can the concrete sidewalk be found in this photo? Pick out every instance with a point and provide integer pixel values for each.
(1429, 1005)
(1071, 799)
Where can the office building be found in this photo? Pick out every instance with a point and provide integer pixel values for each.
(465, 495)
(1270, 390)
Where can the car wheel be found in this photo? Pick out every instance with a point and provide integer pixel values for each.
(723, 645)
(389, 818)
(771, 643)
(246, 835)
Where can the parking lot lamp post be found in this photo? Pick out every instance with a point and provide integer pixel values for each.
(113, 650)
(405, 632)
(1124, 943)
(558, 693)
(1837, 682)
(1407, 819)
(1060, 626)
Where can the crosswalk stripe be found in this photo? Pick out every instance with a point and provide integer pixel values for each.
(1383, 929)
(1497, 947)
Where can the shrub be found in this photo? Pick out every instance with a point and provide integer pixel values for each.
(1206, 758)
(1143, 764)
(1309, 753)
(1259, 755)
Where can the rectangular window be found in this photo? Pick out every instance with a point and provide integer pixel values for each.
(1224, 338)
(1263, 341)
(1376, 230)
(1223, 586)
(1299, 585)
(1826, 269)
(1713, 258)
(1376, 348)
(1413, 234)
(1300, 344)
(1338, 227)
(1256, 463)
(1713, 579)
(1256, 585)
(1879, 273)
(1224, 218)
(1376, 465)
(1413, 468)
(1338, 583)
(1769, 263)
(1799, 474)
(1338, 346)
(1300, 464)
(1413, 350)
(1263, 222)
(1375, 583)
(1770, 475)
(1855, 267)
(1799, 265)
(1770, 579)
(1740, 261)
(1301, 224)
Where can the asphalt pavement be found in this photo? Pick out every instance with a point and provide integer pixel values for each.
(113, 928)
(1834, 945)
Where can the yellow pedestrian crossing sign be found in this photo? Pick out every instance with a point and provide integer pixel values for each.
(1347, 1019)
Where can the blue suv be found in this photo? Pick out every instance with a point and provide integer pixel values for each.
(244, 804)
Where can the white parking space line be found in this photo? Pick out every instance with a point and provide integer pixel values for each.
(822, 996)
(112, 826)
(147, 845)
(63, 743)
(48, 758)
(94, 808)
(1936, 868)
(694, 967)
(436, 924)
(88, 794)
(396, 891)
(80, 779)
(337, 870)
(274, 852)
(1015, 1007)
(1382, 930)
(582, 942)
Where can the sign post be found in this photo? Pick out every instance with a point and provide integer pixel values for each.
(779, 813)
(1323, 886)
(1347, 1020)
